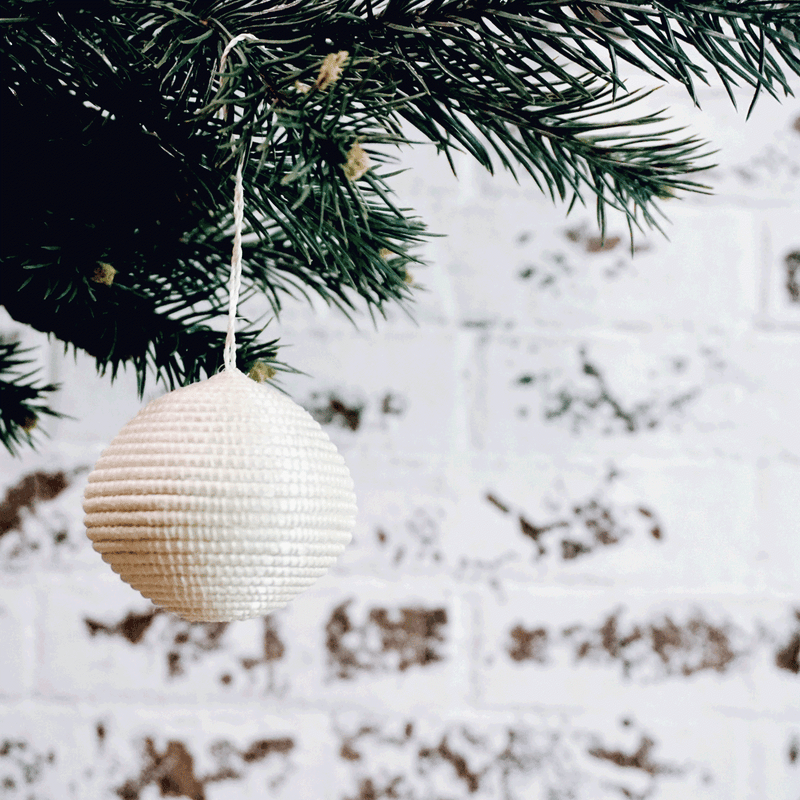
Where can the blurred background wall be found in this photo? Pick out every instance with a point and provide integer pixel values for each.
(574, 573)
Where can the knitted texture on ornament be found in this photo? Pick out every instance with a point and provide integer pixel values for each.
(222, 500)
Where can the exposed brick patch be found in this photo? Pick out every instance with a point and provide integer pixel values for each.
(132, 627)
(273, 650)
(792, 263)
(547, 273)
(22, 767)
(390, 760)
(369, 790)
(597, 244)
(668, 645)
(528, 645)
(393, 405)
(583, 397)
(388, 639)
(601, 398)
(641, 758)
(186, 641)
(273, 647)
(788, 654)
(656, 649)
(333, 409)
(262, 748)
(585, 526)
(443, 752)
(173, 769)
(497, 503)
(418, 543)
(661, 647)
(35, 488)
(21, 504)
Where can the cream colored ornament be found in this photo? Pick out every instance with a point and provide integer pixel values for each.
(222, 500)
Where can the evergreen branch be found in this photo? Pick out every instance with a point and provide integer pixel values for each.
(120, 110)
(22, 400)
(157, 329)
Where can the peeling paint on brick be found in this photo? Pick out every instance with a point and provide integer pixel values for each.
(444, 752)
(35, 488)
(792, 263)
(528, 645)
(661, 646)
(585, 526)
(787, 656)
(585, 398)
(22, 766)
(334, 409)
(22, 503)
(514, 763)
(418, 542)
(642, 415)
(273, 650)
(186, 641)
(640, 759)
(132, 627)
(389, 639)
(173, 771)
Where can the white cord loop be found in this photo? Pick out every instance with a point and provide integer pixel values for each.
(235, 284)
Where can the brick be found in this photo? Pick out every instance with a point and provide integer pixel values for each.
(358, 637)
(133, 752)
(405, 508)
(45, 752)
(103, 640)
(388, 393)
(778, 521)
(658, 651)
(774, 759)
(558, 273)
(212, 752)
(634, 522)
(18, 611)
(585, 757)
(41, 518)
(399, 644)
(649, 394)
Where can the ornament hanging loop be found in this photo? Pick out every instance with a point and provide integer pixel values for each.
(235, 283)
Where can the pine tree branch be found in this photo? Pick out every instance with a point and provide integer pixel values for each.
(155, 327)
(120, 111)
(22, 400)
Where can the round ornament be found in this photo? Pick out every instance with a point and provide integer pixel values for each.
(221, 500)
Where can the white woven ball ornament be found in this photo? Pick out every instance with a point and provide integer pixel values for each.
(222, 500)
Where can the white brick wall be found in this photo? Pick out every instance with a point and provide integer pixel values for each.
(575, 568)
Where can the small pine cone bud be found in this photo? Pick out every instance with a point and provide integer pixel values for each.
(261, 372)
(104, 273)
(357, 162)
(331, 69)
